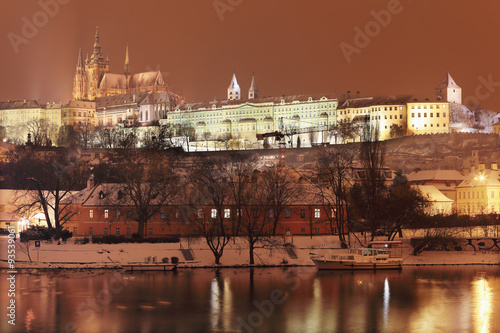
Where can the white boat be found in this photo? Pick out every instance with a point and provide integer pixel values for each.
(379, 255)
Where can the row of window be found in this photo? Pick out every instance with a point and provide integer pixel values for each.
(475, 194)
(425, 125)
(117, 231)
(227, 213)
(425, 106)
(431, 114)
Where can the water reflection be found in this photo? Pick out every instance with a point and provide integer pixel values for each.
(220, 303)
(387, 296)
(414, 300)
(483, 304)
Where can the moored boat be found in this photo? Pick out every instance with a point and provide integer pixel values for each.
(379, 255)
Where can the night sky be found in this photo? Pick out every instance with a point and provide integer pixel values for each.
(292, 46)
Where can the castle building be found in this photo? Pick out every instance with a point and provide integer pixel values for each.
(93, 79)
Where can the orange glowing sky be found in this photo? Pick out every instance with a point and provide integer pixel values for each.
(291, 45)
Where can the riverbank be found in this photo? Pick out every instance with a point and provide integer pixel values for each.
(194, 253)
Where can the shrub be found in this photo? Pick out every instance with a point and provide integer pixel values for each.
(114, 239)
(36, 233)
(174, 260)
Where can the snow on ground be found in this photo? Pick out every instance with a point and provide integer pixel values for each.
(71, 255)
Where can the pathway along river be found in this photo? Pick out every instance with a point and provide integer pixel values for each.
(299, 299)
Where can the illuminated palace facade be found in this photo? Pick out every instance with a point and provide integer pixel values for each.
(305, 114)
(102, 98)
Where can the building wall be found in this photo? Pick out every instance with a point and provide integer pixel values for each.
(93, 220)
(428, 118)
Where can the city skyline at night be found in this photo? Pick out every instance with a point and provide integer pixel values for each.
(293, 47)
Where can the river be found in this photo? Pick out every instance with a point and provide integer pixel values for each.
(298, 299)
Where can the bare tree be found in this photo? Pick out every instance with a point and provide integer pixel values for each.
(369, 194)
(43, 133)
(331, 179)
(148, 180)
(486, 119)
(255, 220)
(207, 136)
(84, 134)
(225, 139)
(281, 191)
(46, 181)
(158, 137)
(212, 189)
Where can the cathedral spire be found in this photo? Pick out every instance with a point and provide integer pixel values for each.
(233, 91)
(127, 62)
(97, 55)
(79, 63)
(253, 91)
(80, 80)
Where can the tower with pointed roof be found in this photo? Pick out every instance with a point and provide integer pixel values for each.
(96, 67)
(80, 84)
(234, 91)
(253, 92)
(449, 91)
(126, 67)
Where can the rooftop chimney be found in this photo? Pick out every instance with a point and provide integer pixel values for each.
(90, 181)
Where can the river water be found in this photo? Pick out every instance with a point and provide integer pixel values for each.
(299, 299)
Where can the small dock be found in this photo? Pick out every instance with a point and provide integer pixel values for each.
(141, 267)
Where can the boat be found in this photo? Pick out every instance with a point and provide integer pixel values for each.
(378, 255)
(149, 267)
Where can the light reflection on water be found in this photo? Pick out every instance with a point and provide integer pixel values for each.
(483, 304)
(418, 299)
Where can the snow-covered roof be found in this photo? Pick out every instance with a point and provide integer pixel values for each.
(435, 175)
(139, 80)
(22, 104)
(147, 79)
(432, 193)
(114, 81)
(481, 178)
(119, 100)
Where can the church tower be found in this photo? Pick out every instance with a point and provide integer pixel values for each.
(80, 80)
(126, 67)
(233, 92)
(253, 92)
(449, 90)
(96, 67)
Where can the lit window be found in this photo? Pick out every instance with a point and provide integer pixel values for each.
(214, 213)
(317, 213)
(200, 213)
(106, 213)
(227, 213)
(91, 213)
